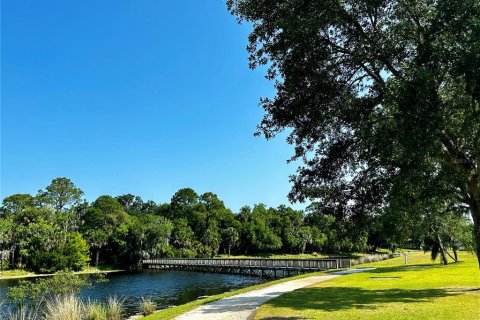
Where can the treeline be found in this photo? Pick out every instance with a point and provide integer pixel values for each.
(57, 229)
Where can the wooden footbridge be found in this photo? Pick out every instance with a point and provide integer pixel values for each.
(270, 268)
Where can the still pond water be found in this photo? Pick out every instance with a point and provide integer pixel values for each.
(166, 288)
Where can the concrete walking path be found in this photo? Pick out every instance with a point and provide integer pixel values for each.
(242, 306)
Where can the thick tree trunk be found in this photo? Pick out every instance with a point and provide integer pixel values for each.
(475, 211)
(473, 199)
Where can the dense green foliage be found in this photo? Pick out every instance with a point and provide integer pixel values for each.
(63, 283)
(57, 230)
(41, 232)
(381, 99)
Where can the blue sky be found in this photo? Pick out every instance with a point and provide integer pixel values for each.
(141, 97)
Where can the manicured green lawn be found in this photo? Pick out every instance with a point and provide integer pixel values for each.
(288, 256)
(421, 290)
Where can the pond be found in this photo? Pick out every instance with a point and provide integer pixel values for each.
(165, 288)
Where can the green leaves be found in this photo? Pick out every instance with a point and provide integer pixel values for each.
(61, 194)
(38, 292)
(379, 98)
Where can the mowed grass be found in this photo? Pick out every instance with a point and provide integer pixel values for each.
(290, 256)
(420, 290)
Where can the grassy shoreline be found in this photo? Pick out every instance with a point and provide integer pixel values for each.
(23, 274)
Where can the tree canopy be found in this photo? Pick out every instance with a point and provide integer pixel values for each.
(381, 99)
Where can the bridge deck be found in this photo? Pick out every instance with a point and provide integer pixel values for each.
(262, 267)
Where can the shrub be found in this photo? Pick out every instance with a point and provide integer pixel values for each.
(34, 294)
(95, 311)
(72, 255)
(147, 306)
(114, 308)
(66, 307)
(370, 258)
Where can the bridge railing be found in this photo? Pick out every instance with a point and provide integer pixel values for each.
(304, 264)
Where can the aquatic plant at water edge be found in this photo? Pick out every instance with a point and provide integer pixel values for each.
(66, 307)
(114, 308)
(22, 313)
(94, 311)
(147, 306)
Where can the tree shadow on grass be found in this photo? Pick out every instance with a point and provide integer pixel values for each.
(412, 267)
(344, 298)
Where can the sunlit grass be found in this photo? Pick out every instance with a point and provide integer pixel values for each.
(14, 273)
(420, 290)
(290, 256)
(19, 273)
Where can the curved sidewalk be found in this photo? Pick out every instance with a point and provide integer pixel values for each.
(242, 306)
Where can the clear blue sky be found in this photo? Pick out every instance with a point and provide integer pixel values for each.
(141, 97)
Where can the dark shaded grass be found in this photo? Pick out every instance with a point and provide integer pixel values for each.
(341, 298)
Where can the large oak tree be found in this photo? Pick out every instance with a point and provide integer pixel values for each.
(381, 99)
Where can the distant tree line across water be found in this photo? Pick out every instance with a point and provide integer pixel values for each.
(57, 229)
